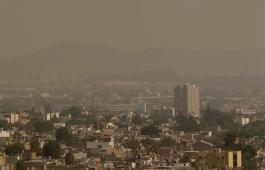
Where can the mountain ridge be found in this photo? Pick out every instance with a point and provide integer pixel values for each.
(77, 59)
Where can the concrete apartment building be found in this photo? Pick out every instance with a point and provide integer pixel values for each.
(186, 100)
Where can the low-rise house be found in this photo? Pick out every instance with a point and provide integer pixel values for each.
(166, 153)
(52, 115)
(245, 116)
(218, 159)
(97, 145)
(202, 145)
(4, 134)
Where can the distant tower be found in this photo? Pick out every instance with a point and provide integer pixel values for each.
(186, 100)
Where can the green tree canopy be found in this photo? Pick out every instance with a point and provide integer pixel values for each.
(132, 144)
(248, 158)
(167, 142)
(214, 118)
(43, 126)
(229, 138)
(63, 135)
(187, 124)
(14, 149)
(35, 147)
(150, 130)
(20, 165)
(52, 149)
(73, 110)
(159, 118)
(69, 158)
(256, 128)
(137, 119)
(4, 124)
(150, 145)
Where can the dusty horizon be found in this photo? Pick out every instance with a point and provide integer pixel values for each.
(29, 26)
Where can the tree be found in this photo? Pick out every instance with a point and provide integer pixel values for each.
(187, 124)
(69, 158)
(35, 147)
(256, 128)
(63, 135)
(3, 124)
(20, 165)
(248, 158)
(52, 149)
(185, 159)
(167, 142)
(137, 119)
(214, 118)
(150, 145)
(150, 130)
(91, 119)
(159, 118)
(73, 110)
(132, 144)
(14, 149)
(229, 138)
(43, 126)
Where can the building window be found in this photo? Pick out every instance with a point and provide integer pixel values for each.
(235, 159)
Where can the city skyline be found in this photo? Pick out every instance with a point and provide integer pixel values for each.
(132, 85)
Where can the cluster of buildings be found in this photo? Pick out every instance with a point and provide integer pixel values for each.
(111, 136)
(105, 147)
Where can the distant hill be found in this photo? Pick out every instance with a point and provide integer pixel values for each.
(99, 60)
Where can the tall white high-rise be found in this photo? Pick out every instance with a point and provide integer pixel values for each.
(186, 100)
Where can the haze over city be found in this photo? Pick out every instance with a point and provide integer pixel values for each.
(128, 85)
(185, 36)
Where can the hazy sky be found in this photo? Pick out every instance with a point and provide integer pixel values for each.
(29, 25)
